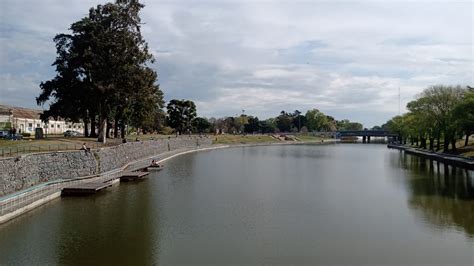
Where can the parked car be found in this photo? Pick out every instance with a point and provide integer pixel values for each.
(14, 137)
(71, 133)
(3, 134)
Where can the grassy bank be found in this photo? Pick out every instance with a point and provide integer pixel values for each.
(252, 139)
(60, 143)
(239, 139)
(52, 143)
(309, 138)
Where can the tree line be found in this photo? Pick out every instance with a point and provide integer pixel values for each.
(296, 121)
(440, 115)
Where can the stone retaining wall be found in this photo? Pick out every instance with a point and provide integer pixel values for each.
(28, 170)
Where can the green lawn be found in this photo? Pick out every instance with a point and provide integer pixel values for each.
(239, 139)
(249, 139)
(52, 143)
(309, 138)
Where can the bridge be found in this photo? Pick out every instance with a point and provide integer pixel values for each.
(365, 134)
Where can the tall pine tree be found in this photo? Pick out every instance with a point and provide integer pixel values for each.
(103, 70)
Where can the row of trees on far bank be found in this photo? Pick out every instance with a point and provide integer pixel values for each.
(440, 115)
(181, 118)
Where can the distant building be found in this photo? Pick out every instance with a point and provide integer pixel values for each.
(26, 120)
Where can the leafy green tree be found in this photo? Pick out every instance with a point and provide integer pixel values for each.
(316, 120)
(345, 124)
(240, 122)
(201, 125)
(437, 112)
(268, 126)
(102, 70)
(464, 114)
(253, 125)
(230, 124)
(298, 121)
(283, 122)
(180, 114)
(396, 125)
(424, 122)
(331, 123)
(153, 122)
(354, 126)
(441, 101)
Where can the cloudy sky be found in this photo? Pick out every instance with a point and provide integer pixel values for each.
(346, 58)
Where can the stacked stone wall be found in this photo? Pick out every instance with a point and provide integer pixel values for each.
(25, 171)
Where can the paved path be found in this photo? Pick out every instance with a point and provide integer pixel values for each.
(456, 160)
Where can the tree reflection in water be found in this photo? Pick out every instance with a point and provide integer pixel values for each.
(441, 194)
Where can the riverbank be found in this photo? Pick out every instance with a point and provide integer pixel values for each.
(15, 204)
(263, 138)
(440, 157)
(22, 172)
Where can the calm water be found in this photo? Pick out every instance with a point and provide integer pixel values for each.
(338, 204)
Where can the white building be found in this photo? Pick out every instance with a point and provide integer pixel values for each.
(26, 120)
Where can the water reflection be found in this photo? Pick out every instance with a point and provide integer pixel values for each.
(336, 204)
(101, 235)
(442, 195)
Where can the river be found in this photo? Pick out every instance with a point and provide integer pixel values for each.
(298, 204)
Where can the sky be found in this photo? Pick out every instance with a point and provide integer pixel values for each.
(348, 59)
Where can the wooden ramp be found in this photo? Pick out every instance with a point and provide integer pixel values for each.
(84, 189)
(133, 176)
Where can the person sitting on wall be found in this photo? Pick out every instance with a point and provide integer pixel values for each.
(85, 148)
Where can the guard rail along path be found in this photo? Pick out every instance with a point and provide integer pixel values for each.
(31, 180)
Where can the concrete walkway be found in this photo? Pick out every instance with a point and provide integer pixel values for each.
(455, 160)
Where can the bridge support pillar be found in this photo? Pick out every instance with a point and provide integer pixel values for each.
(368, 139)
(364, 139)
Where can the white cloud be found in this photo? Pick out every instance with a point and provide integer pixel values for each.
(347, 58)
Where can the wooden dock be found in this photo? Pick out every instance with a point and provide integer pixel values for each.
(84, 189)
(133, 176)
